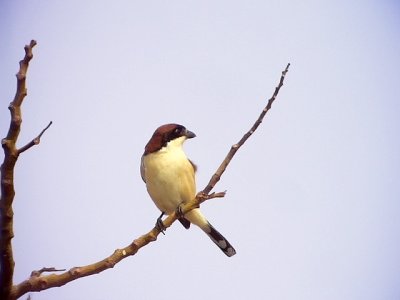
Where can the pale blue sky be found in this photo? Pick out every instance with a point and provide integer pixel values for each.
(313, 197)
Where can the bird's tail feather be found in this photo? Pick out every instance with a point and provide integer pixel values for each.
(219, 240)
(196, 217)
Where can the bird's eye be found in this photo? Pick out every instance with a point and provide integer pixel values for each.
(177, 130)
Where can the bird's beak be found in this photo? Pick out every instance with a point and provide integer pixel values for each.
(190, 134)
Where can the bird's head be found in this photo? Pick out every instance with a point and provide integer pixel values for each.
(165, 134)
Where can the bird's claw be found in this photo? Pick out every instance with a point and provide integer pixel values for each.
(160, 225)
(179, 212)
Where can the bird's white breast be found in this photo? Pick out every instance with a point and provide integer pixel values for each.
(169, 177)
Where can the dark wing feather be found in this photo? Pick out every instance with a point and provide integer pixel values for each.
(193, 165)
(185, 222)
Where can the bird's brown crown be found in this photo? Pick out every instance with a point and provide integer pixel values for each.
(163, 135)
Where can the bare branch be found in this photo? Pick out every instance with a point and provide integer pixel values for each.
(216, 177)
(7, 178)
(39, 282)
(15, 105)
(35, 141)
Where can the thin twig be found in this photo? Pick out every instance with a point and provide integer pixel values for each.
(35, 141)
(37, 273)
(217, 176)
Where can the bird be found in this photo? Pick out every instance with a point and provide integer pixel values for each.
(170, 180)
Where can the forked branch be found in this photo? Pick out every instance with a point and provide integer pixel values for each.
(35, 141)
(7, 177)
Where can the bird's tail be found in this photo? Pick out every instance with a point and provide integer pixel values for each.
(196, 217)
(219, 240)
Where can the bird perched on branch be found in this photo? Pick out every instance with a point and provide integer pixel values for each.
(170, 180)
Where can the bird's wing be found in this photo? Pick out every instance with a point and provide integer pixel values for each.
(193, 165)
(142, 170)
(184, 222)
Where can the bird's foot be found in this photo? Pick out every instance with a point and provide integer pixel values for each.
(179, 211)
(160, 225)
